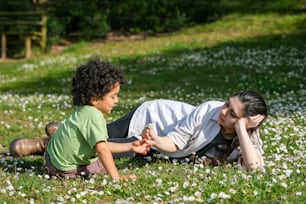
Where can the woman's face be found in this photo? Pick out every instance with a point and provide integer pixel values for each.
(230, 113)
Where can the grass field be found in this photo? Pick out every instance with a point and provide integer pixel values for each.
(263, 52)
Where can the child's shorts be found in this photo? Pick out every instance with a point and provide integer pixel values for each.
(85, 170)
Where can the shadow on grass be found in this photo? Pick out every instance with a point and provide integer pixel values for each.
(45, 85)
(30, 164)
(169, 79)
(136, 162)
(35, 163)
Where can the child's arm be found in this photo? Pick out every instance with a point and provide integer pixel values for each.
(107, 160)
(138, 146)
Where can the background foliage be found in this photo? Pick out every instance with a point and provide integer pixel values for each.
(88, 20)
(264, 51)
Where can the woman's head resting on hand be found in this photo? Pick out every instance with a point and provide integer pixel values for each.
(242, 104)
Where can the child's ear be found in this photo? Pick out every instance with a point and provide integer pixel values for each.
(93, 101)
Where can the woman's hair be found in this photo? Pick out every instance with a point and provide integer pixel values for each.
(94, 79)
(254, 103)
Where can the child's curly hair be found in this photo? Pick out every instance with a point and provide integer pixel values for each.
(94, 79)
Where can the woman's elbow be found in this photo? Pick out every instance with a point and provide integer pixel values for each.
(253, 165)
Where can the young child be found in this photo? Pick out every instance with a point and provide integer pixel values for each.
(79, 146)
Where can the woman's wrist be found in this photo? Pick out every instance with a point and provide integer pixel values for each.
(241, 123)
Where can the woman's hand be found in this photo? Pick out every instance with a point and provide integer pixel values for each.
(163, 143)
(254, 121)
(249, 122)
(148, 132)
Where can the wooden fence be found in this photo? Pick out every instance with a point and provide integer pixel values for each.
(27, 26)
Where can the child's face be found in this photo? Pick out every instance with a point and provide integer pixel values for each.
(108, 102)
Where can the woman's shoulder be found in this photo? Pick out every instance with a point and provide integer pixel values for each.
(210, 104)
(166, 102)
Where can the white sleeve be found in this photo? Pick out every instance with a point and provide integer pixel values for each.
(188, 127)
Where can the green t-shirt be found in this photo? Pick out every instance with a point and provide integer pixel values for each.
(74, 142)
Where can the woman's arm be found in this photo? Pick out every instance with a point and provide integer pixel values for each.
(164, 143)
(251, 157)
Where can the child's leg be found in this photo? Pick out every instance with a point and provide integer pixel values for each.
(51, 128)
(27, 146)
(55, 172)
(86, 170)
(91, 169)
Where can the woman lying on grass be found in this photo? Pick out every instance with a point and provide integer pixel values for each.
(217, 131)
(220, 132)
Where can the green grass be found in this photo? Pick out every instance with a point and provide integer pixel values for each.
(265, 52)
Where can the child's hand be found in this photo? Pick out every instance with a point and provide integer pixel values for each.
(141, 147)
(127, 177)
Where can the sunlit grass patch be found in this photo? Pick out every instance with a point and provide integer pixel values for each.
(264, 52)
